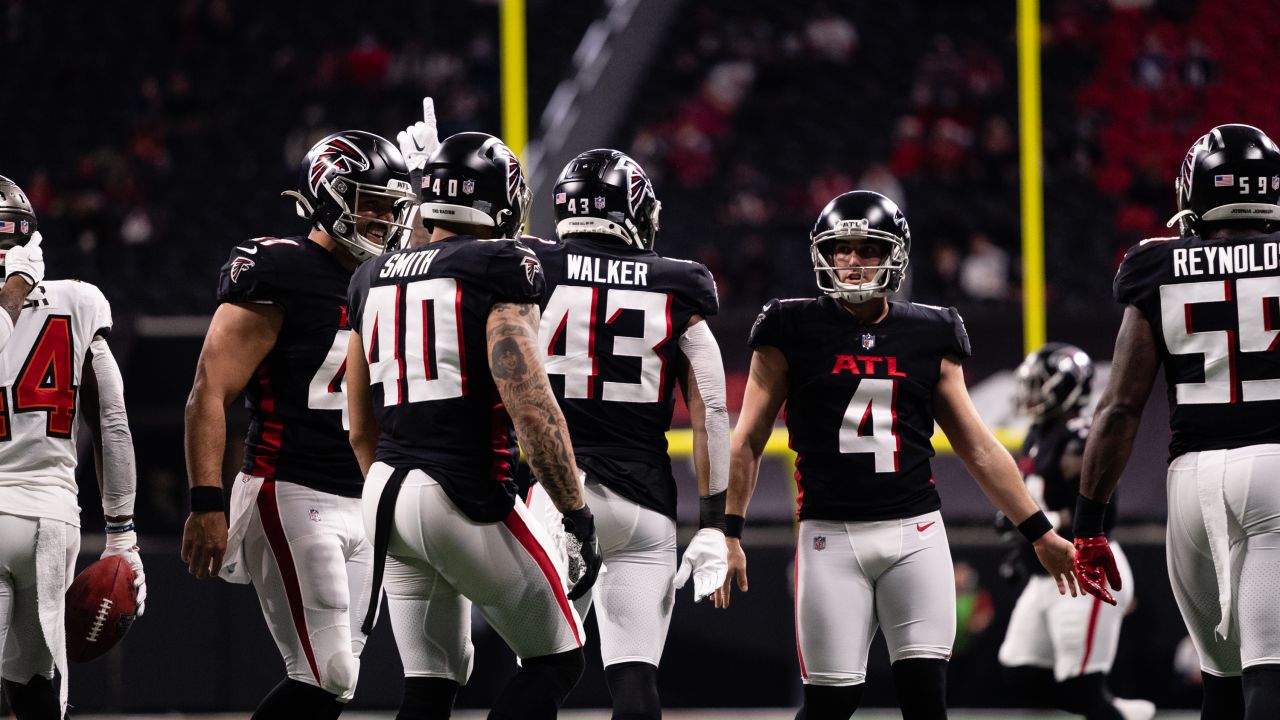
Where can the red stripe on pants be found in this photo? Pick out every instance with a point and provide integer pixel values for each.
(517, 526)
(269, 512)
(1088, 638)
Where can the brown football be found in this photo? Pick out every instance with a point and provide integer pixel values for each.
(100, 608)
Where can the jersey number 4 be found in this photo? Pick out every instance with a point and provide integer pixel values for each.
(571, 313)
(46, 381)
(870, 423)
(1219, 347)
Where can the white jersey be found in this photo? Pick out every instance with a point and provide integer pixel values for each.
(40, 379)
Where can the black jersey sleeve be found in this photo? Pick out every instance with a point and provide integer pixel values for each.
(959, 336)
(1139, 272)
(357, 289)
(249, 276)
(515, 273)
(771, 326)
(704, 298)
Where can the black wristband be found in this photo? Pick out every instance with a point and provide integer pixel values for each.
(711, 511)
(733, 525)
(1035, 527)
(1089, 518)
(580, 523)
(206, 498)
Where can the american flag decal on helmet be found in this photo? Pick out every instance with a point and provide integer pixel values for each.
(339, 156)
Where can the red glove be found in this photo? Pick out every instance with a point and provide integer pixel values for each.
(1096, 567)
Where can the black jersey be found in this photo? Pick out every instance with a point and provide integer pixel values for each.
(860, 403)
(610, 320)
(297, 396)
(1214, 310)
(421, 314)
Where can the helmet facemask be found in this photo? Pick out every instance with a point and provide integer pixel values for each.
(885, 278)
(369, 236)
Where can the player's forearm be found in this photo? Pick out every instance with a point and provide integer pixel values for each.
(1110, 443)
(512, 340)
(708, 408)
(993, 468)
(205, 438)
(744, 469)
(119, 467)
(364, 442)
(13, 295)
(701, 457)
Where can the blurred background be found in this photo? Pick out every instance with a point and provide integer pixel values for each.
(153, 137)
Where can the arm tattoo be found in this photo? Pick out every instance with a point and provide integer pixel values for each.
(13, 298)
(512, 338)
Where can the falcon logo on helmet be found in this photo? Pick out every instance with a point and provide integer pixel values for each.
(339, 157)
(638, 184)
(515, 178)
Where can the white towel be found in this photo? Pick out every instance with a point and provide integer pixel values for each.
(1211, 473)
(244, 499)
(51, 594)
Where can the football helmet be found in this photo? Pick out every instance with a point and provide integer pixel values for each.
(605, 192)
(1231, 174)
(475, 179)
(17, 218)
(1055, 380)
(860, 215)
(353, 171)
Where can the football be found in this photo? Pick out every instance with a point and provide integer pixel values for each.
(100, 608)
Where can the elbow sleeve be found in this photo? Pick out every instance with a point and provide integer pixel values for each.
(119, 471)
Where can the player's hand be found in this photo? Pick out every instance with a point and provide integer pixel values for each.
(1095, 567)
(125, 544)
(1056, 556)
(707, 560)
(419, 140)
(584, 551)
(204, 542)
(737, 569)
(26, 261)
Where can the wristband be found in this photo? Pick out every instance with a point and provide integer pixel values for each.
(1035, 527)
(711, 511)
(1089, 517)
(124, 527)
(206, 498)
(733, 525)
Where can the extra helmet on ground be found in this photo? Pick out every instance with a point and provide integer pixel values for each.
(475, 179)
(17, 218)
(605, 192)
(1231, 174)
(856, 216)
(1053, 381)
(350, 172)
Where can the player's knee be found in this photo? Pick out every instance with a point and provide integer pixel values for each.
(830, 702)
(340, 675)
(634, 689)
(1223, 697)
(921, 683)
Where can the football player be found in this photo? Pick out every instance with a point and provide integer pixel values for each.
(444, 369)
(620, 325)
(55, 367)
(279, 335)
(864, 379)
(1052, 639)
(1203, 306)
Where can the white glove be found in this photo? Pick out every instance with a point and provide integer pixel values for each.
(26, 260)
(420, 139)
(707, 559)
(125, 544)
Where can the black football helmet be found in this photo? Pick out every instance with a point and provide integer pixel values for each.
(605, 192)
(353, 171)
(475, 179)
(860, 215)
(1055, 380)
(17, 218)
(1230, 174)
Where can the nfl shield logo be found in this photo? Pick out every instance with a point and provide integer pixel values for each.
(819, 542)
(468, 186)
(868, 341)
(315, 515)
(1275, 182)
(24, 227)
(599, 203)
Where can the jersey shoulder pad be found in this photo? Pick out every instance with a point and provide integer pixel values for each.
(955, 337)
(777, 322)
(541, 245)
(85, 300)
(251, 273)
(1140, 271)
(513, 271)
(700, 285)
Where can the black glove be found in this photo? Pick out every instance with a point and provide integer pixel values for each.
(584, 551)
